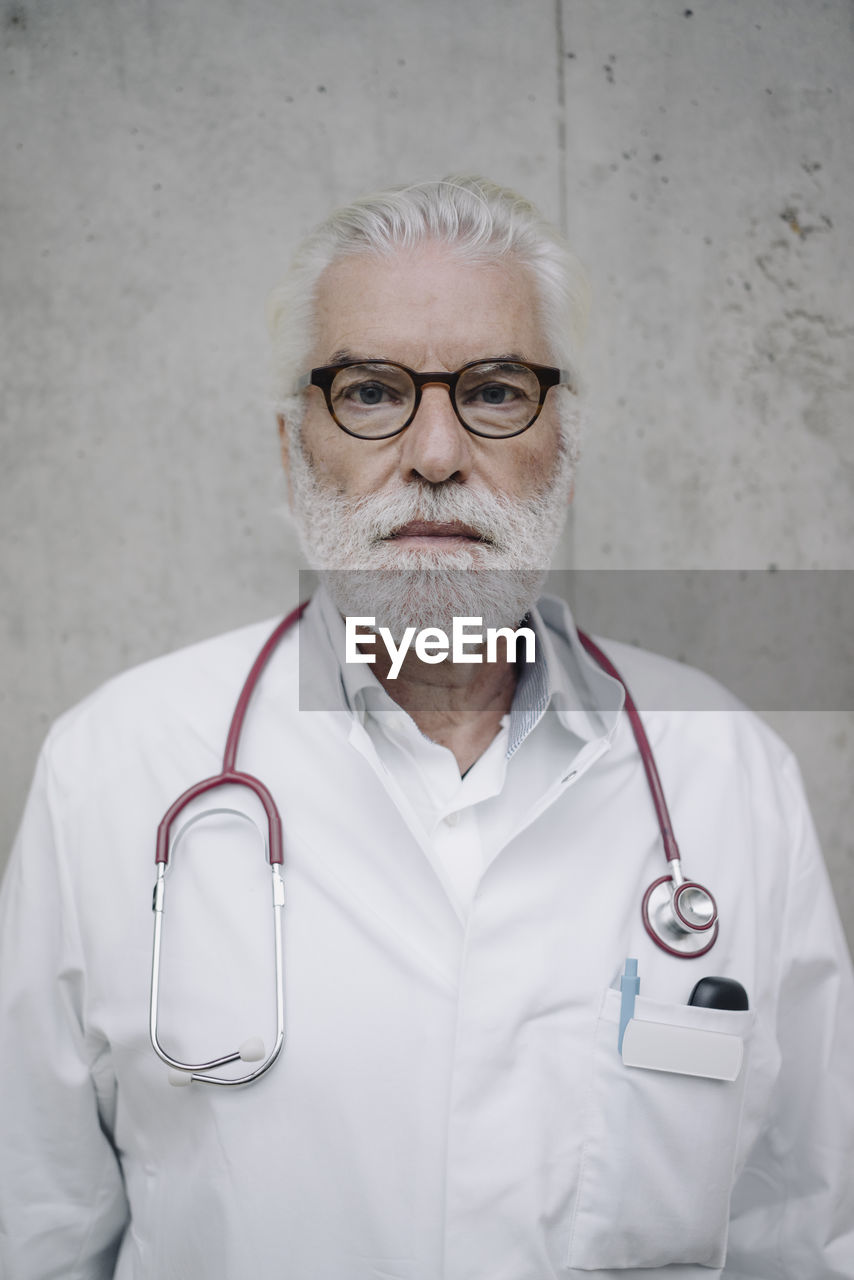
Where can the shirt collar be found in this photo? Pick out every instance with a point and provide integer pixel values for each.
(563, 677)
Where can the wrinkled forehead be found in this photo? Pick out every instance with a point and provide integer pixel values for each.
(427, 304)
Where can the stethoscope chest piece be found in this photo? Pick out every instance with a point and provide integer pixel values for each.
(680, 917)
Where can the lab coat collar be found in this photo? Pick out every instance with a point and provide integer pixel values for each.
(586, 700)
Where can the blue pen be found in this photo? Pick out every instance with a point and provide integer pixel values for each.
(629, 986)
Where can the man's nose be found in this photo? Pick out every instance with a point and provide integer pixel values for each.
(436, 446)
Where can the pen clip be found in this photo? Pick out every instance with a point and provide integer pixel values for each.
(629, 987)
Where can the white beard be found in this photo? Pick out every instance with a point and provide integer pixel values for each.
(368, 574)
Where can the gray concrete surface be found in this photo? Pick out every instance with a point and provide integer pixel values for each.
(158, 163)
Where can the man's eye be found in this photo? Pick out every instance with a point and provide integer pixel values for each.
(494, 394)
(369, 394)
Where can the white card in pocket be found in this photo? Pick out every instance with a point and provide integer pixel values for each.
(687, 1051)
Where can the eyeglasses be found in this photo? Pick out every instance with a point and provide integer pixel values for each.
(378, 398)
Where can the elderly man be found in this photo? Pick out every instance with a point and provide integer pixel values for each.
(491, 1069)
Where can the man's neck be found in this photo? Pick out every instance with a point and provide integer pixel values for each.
(458, 705)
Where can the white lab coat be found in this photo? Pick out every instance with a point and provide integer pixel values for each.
(449, 1104)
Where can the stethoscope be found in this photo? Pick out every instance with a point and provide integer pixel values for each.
(680, 916)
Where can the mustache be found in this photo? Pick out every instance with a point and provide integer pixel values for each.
(381, 515)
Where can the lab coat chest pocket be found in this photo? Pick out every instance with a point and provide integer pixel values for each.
(659, 1150)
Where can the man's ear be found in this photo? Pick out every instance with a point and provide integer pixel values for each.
(284, 452)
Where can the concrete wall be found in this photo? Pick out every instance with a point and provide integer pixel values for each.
(158, 162)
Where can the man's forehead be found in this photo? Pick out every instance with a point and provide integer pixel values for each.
(425, 300)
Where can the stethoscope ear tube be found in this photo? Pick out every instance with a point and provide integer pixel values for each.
(184, 1072)
(228, 777)
(252, 1050)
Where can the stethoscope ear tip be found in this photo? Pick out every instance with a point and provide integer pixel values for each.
(252, 1050)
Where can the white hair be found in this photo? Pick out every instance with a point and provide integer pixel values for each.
(477, 219)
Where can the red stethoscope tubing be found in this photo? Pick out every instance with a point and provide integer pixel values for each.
(230, 774)
(656, 790)
(707, 932)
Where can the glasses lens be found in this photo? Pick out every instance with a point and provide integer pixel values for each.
(372, 399)
(497, 398)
